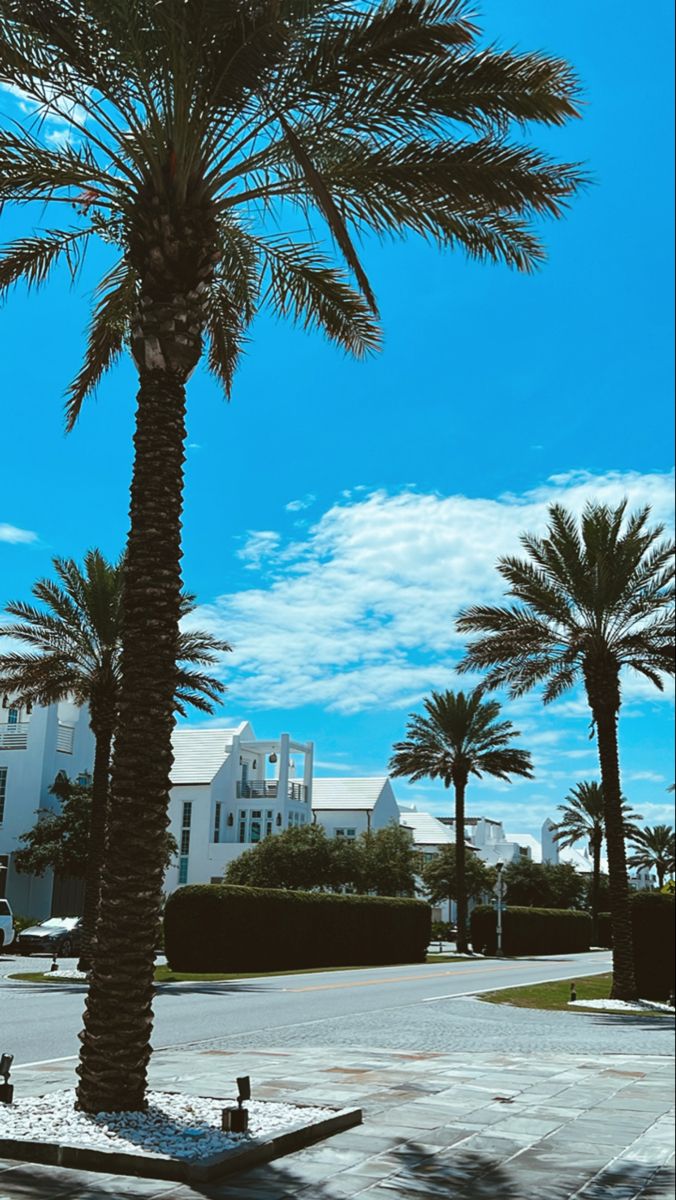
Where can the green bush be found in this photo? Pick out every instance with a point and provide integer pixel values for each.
(222, 927)
(652, 918)
(605, 930)
(530, 930)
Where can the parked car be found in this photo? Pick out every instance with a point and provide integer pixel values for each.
(6, 925)
(58, 936)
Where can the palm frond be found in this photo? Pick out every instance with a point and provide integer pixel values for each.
(108, 332)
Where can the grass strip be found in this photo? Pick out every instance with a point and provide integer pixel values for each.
(554, 996)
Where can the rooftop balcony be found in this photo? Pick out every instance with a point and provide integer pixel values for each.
(268, 789)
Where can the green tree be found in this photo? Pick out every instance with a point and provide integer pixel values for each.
(460, 735)
(73, 637)
(593, 597)
(387, 862)
(654, 850)
(584, 820)
(60, 839)
(191, 123)
(440, 876)
(543, 885)
(302, 857)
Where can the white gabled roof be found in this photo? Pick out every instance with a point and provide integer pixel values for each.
(427, 830)
(199, 753)
(350, 795)
(528, 842)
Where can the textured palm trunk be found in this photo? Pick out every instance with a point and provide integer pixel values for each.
(460, 856)
(604, 697)
(103, 733)
(596, 885)
(173, 252)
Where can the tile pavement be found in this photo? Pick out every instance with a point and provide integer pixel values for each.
(436, 1127)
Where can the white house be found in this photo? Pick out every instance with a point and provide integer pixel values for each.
(36, 743)
(490, 841)
(348, 807)
(229, 791)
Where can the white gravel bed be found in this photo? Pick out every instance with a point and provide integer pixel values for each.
(622, 1005)
(67, 974)
(180, 1127)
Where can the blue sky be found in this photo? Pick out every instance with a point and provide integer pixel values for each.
(337, 513)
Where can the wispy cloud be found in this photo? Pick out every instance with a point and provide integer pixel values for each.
(359, 613)
(10, 533)
(300, 505)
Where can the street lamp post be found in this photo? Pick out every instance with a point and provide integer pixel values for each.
(499, 894)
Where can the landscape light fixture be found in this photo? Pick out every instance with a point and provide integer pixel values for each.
(573, 993)
(272, 757)
(236, 1120)
(6, 1088)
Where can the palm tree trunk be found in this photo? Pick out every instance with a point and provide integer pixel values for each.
(103, 733)
(460, 855)
(596, 886)
(118, 1016)
(661, 872)
(624, 983)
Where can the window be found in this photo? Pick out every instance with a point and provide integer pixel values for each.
(13, 716)
(184, 844)
(3, 791)
(242, 826)
(84, 779)
(346, 833)
(269, 817)
(217, 821)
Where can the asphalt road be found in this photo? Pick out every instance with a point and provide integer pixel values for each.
(380, 1006)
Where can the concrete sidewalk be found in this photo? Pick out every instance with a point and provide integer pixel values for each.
(436, 1127)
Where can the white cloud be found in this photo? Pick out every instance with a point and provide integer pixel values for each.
(299, 505)
(648, 776)
(10, 533)
(360, 614)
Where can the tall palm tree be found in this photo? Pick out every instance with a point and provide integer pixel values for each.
(654, 850)
(593, 598)
(74, 640)
(459, 735)
(584, 820)
(191, 123)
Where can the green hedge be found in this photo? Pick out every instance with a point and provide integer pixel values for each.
(652, 918)
(221, 927)
(605, 930)
(530, 930)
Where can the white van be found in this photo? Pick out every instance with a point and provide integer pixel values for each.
(6, 925)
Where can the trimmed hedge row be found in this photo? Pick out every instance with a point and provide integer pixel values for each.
(530, 930)
(652, 918)
(222, 928)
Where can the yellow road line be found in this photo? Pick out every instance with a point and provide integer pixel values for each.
(326, 987)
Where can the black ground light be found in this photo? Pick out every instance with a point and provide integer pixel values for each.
(236, 1120)
(6, 1088)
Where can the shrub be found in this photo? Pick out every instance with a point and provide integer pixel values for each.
(531, 930)
(605, 930)
(652, 918)
(221, 927)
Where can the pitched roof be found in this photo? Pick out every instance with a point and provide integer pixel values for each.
(199, 753)
(427, 830)
(348, 794)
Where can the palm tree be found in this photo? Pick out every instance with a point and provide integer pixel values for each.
(655, 850)
(460, 735)
(593, 599)
(584, 820)
(74, 640)
(191, 122)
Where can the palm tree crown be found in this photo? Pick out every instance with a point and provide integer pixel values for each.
(591, 600)
(75, 643)
(188, 120)
(584, 816)
(654, 850)
(459, 736)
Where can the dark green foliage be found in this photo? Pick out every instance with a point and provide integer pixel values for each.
(218, 927)
(531, 930)
(440, 876)
(383, 862)
(543, 885)
(652, 915)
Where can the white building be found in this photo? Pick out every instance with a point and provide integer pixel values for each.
(36, 743)
(349, 807)
(229, 791)
(490, 841)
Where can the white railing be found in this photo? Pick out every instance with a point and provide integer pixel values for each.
(64, 738)
(268, 789)
(14, 737)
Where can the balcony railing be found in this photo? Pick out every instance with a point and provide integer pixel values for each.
(14, 737)
(64, 738)
(268, 789)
